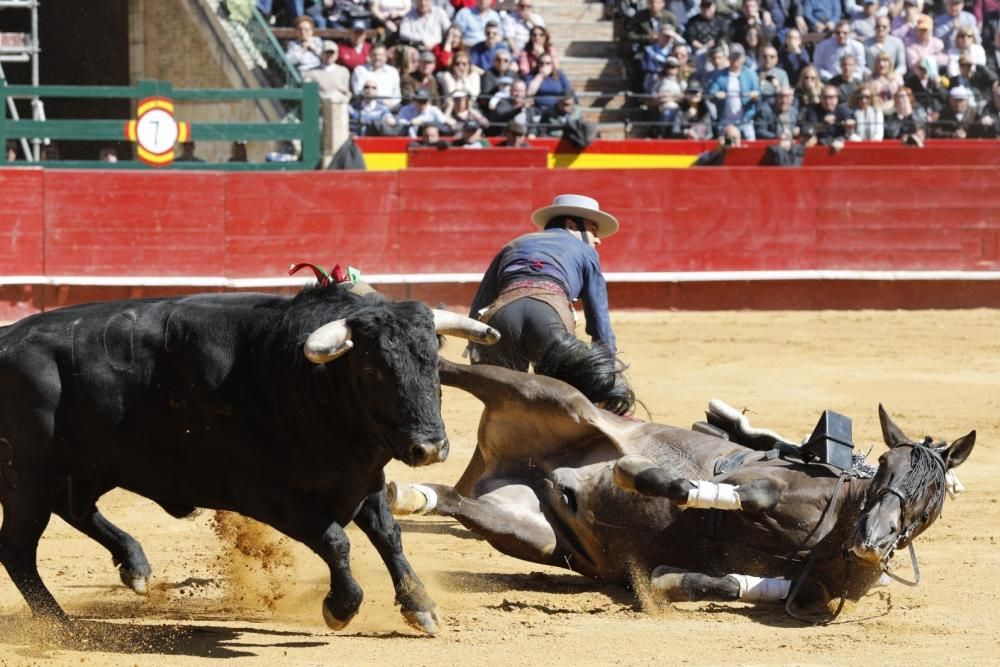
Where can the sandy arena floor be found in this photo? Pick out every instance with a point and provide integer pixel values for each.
(224, 589)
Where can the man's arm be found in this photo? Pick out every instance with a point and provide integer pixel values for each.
(595, 305)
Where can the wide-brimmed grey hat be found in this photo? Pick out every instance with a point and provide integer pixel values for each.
(580, 207)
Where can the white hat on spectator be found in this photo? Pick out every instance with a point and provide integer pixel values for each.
(959, 92)
(580, 207)
(330, 45)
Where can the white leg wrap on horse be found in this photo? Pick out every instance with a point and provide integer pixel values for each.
(712, 496)
(758, 589)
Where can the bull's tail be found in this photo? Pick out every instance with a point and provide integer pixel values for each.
(594, 370)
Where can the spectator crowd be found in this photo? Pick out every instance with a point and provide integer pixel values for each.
(838, 70)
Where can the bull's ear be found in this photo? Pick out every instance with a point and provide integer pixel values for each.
(891, 433)
(959, 450)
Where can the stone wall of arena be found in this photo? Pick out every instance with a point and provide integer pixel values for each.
(824, 237)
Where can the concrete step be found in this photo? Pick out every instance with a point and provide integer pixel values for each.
(591, 68)
(610, 100)
(572, 11)
(587, 48)
(565, 31)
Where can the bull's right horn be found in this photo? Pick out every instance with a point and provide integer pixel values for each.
(453, 324)
(328, 342)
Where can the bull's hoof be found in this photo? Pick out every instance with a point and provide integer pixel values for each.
(426, 621)
(332, 620)
(137, 582)
(407, 499)
(628, 467)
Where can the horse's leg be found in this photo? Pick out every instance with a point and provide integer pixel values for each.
(683, 586)
(126, 552)
(508, 516)
(639, 474)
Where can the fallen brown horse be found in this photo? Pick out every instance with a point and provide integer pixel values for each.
(557, 481)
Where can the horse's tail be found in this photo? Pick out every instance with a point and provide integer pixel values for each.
(594, 370)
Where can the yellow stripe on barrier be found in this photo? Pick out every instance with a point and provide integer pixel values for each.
(619, 161)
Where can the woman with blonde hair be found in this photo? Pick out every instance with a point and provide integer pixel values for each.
(884, 82)
(809, 87)
(869, 122)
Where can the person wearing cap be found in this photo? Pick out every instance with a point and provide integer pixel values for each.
(951, 20)
(304, 52)
(958, 120)
(424, 77)
(335, 93)
(358, 50)
(462, 110)
(501, 92)
(424, 26)
(527, 290)
(694, 117)
(828, 53)
(470, 135)
(925, 44)
(419, 112)
(735, 93)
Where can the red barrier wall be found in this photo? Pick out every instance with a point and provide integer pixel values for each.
(254, 225)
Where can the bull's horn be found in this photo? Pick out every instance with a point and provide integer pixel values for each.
(328, 342)
(453, 324)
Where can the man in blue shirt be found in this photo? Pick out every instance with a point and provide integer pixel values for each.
(526, 291)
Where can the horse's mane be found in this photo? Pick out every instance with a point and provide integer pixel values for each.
(593, 369)
(925, 476)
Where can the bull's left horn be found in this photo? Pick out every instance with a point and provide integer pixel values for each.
(328, 342)
(453, 324)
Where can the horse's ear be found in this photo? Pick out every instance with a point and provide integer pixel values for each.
(959, 450)
(891, 433)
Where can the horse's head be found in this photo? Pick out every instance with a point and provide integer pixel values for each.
(907, 493)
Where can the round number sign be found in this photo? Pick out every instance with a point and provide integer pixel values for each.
(156, 131)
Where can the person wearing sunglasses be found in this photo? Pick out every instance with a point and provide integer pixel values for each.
(483, 53)
(869, 122)
(885, 42)
(829, 52)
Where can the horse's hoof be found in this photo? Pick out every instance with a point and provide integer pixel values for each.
(628, 467)
(137, 582)
(424, 621)
(332, 621)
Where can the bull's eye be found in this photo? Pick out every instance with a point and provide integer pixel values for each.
(371, 373)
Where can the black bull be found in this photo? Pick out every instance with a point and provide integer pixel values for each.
(557, 481)
(284, 409)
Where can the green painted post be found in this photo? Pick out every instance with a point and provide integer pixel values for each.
(310, 125)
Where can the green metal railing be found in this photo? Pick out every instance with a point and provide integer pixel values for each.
(307, 131)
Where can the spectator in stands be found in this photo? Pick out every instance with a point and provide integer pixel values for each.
(11, 150)
(187, 153)
(539, 44)
(735, 93)
(451, 44)
(810, 88)
(405, 58)
(751, 16)
(502, 92)
(50, 152)
(753, 45)
(889, 44)
(993, 54)
(832, 121)
(358, 51)
(869, 122)
(729, 139)
(694, 118)
(778, 118)
(984, 11)
(463, 110)
(822, 16)
(303, 52)
(863, 24)
(389, 14)
(482, 54)
(925, 83)
(884, 82)
(682, 52)
(565, 120)
(515, 135)
(547, 84)
(311, 8)
(472, 21)
(904, 25)
(847, 80)
(655, 56)
(429, 137)
(924, 44)
(382, 73)
(965, 44)
(643, 30)
(959, 119)
(829, 52)
(418, 112)
(422, 79)
(518, 107)
(369, 115)
(705, 29)
(424, 26)
(772, 78)
(559, 263)
(344, 13)
(990, 118)
(717, 61)
(107, 154)
(334, 79)
(502, 67)
(471, 136)
(786, 15)
(788, 152)
(238, 152)
(518, 24)
(907, 122)
(948, 23)
(669, 91)
(793, 56)
(460, 76)
(974, 79)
